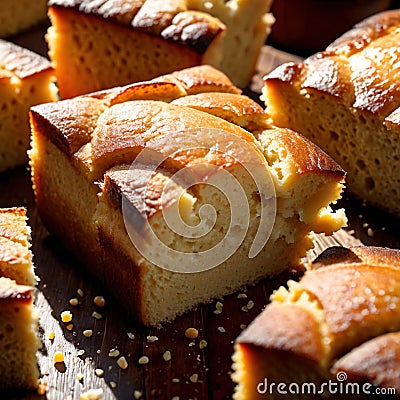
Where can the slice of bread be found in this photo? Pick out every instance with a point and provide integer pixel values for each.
(346, 99)
(168, 238)
(101, 45)
(26, 79)
(342, 316)
(19, 341)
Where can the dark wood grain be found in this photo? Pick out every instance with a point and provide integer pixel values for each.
(192, 372)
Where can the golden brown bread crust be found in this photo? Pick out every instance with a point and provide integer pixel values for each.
(168, 19)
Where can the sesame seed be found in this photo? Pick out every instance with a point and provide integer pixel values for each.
(113, 384)
(370, 232)
(221, 329)
(203, 344)
(175, 380)
(131, 336)
(152, 339)
(80, 292)
(250, 305)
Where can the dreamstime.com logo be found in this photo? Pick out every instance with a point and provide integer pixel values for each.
(191, 178)
(331, 387)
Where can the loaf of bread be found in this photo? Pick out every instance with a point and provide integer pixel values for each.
(346, 99)
(340, 323)
(26, 79)
(19, 340)
(96, 45)
(17, 16)
(175, 191)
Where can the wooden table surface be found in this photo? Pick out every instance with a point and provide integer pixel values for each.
(192, 372)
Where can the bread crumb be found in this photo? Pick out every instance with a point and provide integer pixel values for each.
(167, 356)
(66, 316)
(74, 302)
(221, 329)
(70, 327)
(113, 353)
(250, 304)
(131, 335)
(96, 315)
(80, 292)
(88, 333)
(370, 232)
(152, 339)
(143, 360)
(137, 394)
(243, 326)
(242, 296)
(51, 335)
(92, 394)
(79, 376)
(194, 378)
(365, 225)
(191, 333)
(99, 372)
(81, 352)
(122, 363)
(113, 385)
(58, 357)
(176, 398)
(202, 344)
(99, 301)
(175, 380)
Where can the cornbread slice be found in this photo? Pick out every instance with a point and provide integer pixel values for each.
(26, 79)
(19, 15)
(166, 203)
(19, 341)
(334, 319)
(346, 99)
(97, 45)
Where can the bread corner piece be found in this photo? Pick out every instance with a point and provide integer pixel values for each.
(94, 45)
(26, 79)
(346, 99)
(87, 159)
(343, 316)
(19, 340)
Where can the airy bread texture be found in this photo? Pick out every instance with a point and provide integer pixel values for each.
(342, 316)
(26, 79)
(19, 339)
(19, 15)
(346, 100)
(92, 157)
(96, 45)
